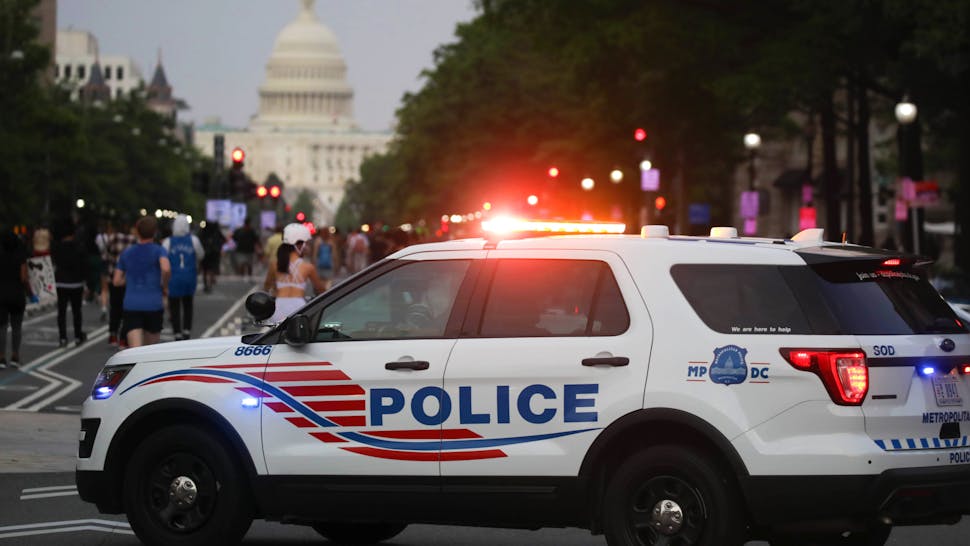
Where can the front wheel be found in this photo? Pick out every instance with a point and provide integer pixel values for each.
(358, 533)
(672, 495)
(182, 488)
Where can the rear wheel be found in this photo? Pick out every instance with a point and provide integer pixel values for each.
(183, 488)
(672, 495)
(358, 533)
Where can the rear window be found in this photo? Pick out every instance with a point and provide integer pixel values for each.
(829, 299)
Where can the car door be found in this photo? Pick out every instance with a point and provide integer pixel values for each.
(363, 397)
(556, 349)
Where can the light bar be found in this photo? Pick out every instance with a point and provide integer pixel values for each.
(502, 225)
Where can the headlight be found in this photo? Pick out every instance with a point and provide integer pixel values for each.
(108, 380)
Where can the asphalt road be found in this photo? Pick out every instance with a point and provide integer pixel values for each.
(39, 406)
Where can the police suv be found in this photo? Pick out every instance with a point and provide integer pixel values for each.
(656, 389)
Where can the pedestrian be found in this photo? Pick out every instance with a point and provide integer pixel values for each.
(289, 272)
(212, 241)
(323, 253)
(246, 244)
(358, 251)
(184, 252)
(101, 241)
(117, 242)
(144, 270)
(273, 242)
(70, 268)
(14, 289)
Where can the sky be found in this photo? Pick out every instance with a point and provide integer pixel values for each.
(215, 51)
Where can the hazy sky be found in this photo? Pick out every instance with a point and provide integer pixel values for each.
(215, 51)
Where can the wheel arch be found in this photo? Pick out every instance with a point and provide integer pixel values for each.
(158, 414)
(644, 428)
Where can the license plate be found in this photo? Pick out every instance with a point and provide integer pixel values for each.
(946, 389)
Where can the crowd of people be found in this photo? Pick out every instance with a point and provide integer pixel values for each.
(137, 271)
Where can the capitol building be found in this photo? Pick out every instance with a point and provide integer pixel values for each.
(304, 131)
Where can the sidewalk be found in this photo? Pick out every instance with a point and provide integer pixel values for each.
(38, 442)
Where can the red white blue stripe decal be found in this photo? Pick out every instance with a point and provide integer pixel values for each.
(326, 402)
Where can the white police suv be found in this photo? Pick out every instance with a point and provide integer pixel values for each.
(656, 389)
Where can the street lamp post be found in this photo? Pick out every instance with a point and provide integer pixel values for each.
(910, 160)
(752, 141)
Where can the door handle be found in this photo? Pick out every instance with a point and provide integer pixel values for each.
(408, 365)
(614, 361)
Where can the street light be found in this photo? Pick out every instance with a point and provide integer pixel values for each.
(616, 175)
(80, 203)
(646, 165)
(587, 183)
(910, 160)
(752, 141)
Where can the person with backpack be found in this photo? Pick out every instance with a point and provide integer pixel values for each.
(323, 255)
(184, 253)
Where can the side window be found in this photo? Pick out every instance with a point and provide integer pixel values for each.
(742, 299)
(411, 301)
(542, 298)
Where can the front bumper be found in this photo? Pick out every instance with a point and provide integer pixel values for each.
(98, 487)
(908, 496)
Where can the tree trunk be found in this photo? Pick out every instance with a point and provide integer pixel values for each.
(866, 235)
(830, 170)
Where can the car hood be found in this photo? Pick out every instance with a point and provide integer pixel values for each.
(177, 350)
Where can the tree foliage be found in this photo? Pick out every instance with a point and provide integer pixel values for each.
(119, 157)
(533, 83)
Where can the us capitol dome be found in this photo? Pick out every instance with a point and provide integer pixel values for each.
(304, 131)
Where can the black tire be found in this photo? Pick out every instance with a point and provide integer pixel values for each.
(358, 533)
(704, 494)
(221, 510)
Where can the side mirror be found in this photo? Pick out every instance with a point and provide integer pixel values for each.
(296, 332)
(260, 305)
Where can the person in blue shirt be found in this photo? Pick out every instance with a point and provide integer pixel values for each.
(184, 252)
(144, 270)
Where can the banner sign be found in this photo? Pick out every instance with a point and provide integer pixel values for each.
(650, 180)
(218, 210)
(807, 218)
(40, 273)
(749, 204)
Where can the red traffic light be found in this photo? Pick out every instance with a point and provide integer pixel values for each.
(553, 172)
(300, 217)
(274, 192)
(640, 134)
(660, 202)
(261, 192)
(238, 155)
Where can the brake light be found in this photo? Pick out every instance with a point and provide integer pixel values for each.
(843, 372)
(892, 262)
(965, 369)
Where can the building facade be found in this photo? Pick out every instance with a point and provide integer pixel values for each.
(74, 60)
(304, 131)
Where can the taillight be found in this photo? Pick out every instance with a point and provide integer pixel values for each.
(965, 369)
(843, 371)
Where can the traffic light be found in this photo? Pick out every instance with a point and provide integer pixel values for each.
(261, 192)
(640, 134)
(275, 191)
(238, 156)
(660, 203)
(553, 172)
(300, 217)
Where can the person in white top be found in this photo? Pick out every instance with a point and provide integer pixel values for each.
(288, 273)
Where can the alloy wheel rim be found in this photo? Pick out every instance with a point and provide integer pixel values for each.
(667, 511)
(181, 492)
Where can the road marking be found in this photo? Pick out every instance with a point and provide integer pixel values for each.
(41, 317)
(62, 384)
(46, 489)
(31, 529)
(13, 388)
(49, 495)
(227, 314)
